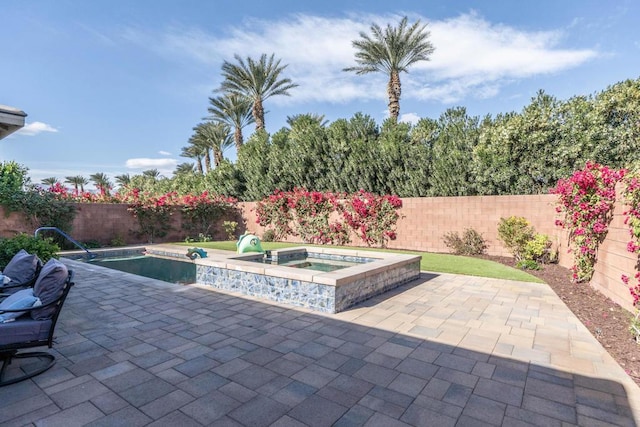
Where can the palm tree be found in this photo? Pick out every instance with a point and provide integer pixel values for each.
(185, 169)
(123, 180)
(153, 174)
(78, 182)
(193, 152)
(392, 51)
(202, 148)
(234, 110)
(318, 118)
(102, 183)
(257, 80)
(216, 136)
(50, 182)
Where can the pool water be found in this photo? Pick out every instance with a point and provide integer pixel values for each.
(168, 270)
(316, 264)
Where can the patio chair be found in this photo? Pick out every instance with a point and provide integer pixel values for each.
(23, 270)
(28, 318)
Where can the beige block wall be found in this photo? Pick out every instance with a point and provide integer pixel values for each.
(423, 223)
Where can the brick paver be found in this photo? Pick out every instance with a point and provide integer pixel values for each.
(443, 350)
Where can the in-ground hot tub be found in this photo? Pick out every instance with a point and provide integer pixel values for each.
(326, 291)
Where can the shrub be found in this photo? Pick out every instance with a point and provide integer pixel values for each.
(312, 217)
(268, 236)
(538, 249)
(471, 242)
(528, 264)
(274, 211)
(515, 232)
(152, 212)
(586, 202)
(201, 212)
(372, 217)
(631, 197)
(44, 248)
(230, 228)
(308, 214)
(118, 241)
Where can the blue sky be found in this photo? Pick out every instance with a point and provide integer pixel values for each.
(117, 86)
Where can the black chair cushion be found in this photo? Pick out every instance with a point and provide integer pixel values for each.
(24, 329)
(49, 287)
(22, 268)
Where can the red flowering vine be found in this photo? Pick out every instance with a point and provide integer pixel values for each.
(200, 212)
(586, 202)
(372, 217)
(631, 197)
(153, 212)
(76, 196)
(304, 213)
(274, 211)
(328, 218)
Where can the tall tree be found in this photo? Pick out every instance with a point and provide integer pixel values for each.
(77, 181)
(318, 118)
(153, 174)
(215, 137)
(102, 183)
(392, 51)
(192, 151)
(234, 110)
(123, 180)
(185, 168)
(200, 147)
(50, 182)
(257, 80)
(452, 154)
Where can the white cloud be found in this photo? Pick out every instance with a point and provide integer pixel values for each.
(164, 153)
(412, 118)
(163, 165)
(35, 128)
(473, 57)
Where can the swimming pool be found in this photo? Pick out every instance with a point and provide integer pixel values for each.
(372, 273)
(300, 258)
(168, 270)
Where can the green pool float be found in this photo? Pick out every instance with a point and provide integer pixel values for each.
(249, 243)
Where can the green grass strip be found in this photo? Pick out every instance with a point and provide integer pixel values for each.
(438, 263)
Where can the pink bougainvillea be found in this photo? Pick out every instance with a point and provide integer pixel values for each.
(631, 197)
(328, 218)
(586, 202)
(372, 217)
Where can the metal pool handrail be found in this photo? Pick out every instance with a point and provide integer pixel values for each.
(66, 236)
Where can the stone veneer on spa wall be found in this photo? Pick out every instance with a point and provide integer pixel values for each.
(329, 292)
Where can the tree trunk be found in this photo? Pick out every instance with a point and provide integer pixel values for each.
(207, 161)
(393, 92)
(199, 166)
(237, 136)
(258, 113)
(217, 158)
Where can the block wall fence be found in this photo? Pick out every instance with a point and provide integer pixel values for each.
(423, 223)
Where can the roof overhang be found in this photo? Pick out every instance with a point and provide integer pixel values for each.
(11, 119)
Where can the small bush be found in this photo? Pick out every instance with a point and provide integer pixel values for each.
(538, 249)
(471, 242)
(90, 244)
(202, 238)
(230, 228)
(515, 232)
(528, 264)
(268, 236)
(118, 241)
(44, 248)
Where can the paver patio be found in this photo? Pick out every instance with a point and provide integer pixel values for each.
(443, 350)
